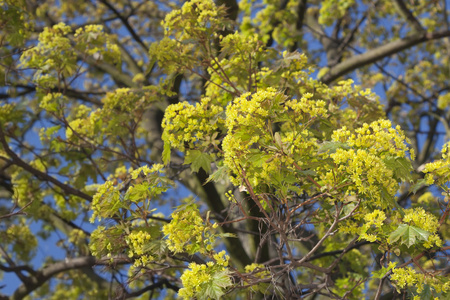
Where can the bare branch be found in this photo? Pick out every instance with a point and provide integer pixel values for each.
(378, 53)
(126, 24)
(41, 175)
(406, 13)
(40, 277)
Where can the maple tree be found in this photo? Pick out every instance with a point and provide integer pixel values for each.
(223, 149)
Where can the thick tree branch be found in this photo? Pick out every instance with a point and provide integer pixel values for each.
(117, 75)
(40, 277)
(301, 11)
(378, 53)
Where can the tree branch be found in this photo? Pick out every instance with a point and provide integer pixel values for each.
(158, 285)
(41, 175)
(126, 24)
(380, 52)
(42, 276)
(406, 13)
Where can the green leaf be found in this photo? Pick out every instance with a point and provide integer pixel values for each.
(157, 247)
(401, 167)
(198, 160)
(215, 288)
(278, 140)
(331, 147)
(166, 153)
(408, 235)
(222, 279)
(426, 292)
(220, 174)
(322, 72)
(258, 159)
(382, 272)
(418, 185)
(227, 235)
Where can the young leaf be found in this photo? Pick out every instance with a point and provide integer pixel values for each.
(278, 140)
(408, 235)
(198, 160)
(166, 150)
(331, 147)
(418, 185)
(214, 288)
(400, 166)
(220, 174)
(166, 153)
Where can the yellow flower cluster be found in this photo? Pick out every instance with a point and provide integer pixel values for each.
(376, 218)
(220, 259)
(426, 198)
(6, 111)
(196, 280)
(136, 242)
(378, 138)
(250, 109)
(420, 218)
(53, 53)
(259, 269)
(23, 241)
(247, 113)
(187, 232)
(56, 54)
(363, 163)
(373, 222)
(367, 171)
(109, 198)
(53, 37)
(185, 123)
(120, 107)
(305, 109)
(404, 277)
(92, 40)
(52, 102)
(193, 279)
(408, 277)
(83, 127)
(106, 194)
(122, 99)
(253, 148)
(439, 171)
(193, 19)
(77, 236)
(145, 170)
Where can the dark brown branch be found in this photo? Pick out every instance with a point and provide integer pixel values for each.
(427, 147)
(160, 284)
(301, 11)
(407, 14)
(40, 175)
(378, 53)
(336, 252)
(40, 277)
(126, 24)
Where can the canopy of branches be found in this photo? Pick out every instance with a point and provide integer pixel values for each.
(204, 149)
